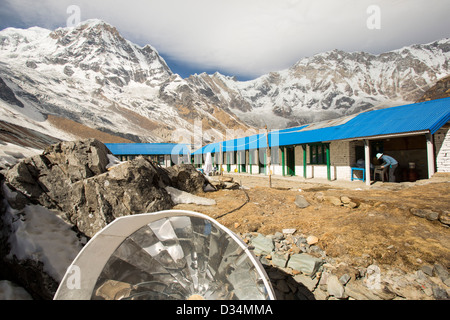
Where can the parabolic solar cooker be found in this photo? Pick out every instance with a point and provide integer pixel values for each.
(167, 255)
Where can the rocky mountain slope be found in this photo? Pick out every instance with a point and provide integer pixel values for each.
(93, 76)
(90, 76)
(330, 85)
(439, 91)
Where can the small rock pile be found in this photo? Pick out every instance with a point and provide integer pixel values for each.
(300, 270)
(220, 182)
(342, 201)
(432, 215)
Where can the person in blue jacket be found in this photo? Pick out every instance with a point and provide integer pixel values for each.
(389, 162)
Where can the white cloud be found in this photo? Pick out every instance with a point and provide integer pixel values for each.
(252, 37)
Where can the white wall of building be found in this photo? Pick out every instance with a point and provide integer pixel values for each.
(442, 147)
(343, 157)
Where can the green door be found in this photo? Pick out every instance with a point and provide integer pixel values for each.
(243, 161)
(262, 161)
(290, 161)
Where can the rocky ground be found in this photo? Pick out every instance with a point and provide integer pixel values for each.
(316, 239)
(342, 240)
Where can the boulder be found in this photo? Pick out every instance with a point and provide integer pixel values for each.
(72, 177)
(79, 159)
(46, 178)
(351, 205)
(262, 244)
(219, 182)
(333, 200)
(440, 271)
(186, 178)
(347, 202)
(418, 212)
(439, 293)
(319, 196)
(307, 281)
(428, 270)
(279, 260)
(344, 279)
(335, 287)
(289, 231)
(301, 202)
(131, 188)
(432, 215)
(305, 263)
(358, 291)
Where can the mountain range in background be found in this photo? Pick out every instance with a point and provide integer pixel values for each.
(89, 81)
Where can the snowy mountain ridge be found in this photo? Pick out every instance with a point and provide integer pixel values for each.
(93, 76)
(333, 84)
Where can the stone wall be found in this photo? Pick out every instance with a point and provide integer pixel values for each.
(341, 156)
(442, 147)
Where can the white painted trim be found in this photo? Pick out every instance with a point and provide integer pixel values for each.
(431, 158)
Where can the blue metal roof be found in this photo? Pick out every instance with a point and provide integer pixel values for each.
(418, 117)
(427, 116)
(147, 148)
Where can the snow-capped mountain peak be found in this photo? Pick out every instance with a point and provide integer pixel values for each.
(91, 75)
(332, 84)
(98, 46)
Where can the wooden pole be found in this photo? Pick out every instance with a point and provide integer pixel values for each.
(221, 159)
(268, 157)
(305, 171)
(367, 161)
(327, 150)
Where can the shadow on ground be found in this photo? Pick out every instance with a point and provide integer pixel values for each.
(285, 287)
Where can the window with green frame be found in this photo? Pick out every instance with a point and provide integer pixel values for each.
(317, 153)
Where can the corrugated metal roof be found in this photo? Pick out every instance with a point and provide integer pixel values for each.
(425, 116)
(211, 148)
(430, 115)
(147, 148)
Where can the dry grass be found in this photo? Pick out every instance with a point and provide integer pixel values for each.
(381, 227)
(84, 132)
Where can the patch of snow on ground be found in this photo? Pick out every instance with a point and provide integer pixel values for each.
(113, 161)
(181, 197)
(10, 291)
(10, 154)
(42, 235)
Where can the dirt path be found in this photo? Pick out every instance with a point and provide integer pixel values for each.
(380, 229)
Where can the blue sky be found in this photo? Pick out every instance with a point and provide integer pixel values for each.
(247, 38)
